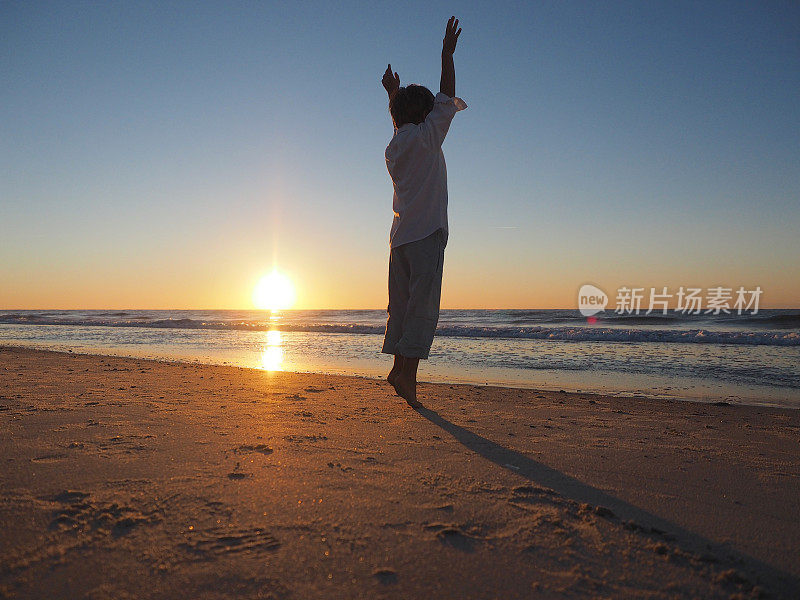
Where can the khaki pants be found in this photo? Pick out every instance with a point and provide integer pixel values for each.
(415, 288)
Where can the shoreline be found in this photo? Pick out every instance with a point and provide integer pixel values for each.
(308, 485)
(720, 399)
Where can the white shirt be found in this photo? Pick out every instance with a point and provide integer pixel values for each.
(415, 162)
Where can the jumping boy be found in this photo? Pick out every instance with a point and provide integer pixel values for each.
(419, 231)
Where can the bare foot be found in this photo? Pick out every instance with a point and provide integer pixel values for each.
(392, 376)
(392, 379)
(406, 387)
(397, 369)
(414, 403)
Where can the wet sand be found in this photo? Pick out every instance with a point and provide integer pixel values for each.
(128, 478)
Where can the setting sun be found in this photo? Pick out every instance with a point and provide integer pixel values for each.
(274, 292)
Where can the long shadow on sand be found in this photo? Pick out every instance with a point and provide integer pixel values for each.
(777, 581)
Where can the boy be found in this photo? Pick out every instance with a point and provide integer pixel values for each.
(419, 231)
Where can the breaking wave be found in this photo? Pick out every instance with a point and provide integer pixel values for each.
(557, 333)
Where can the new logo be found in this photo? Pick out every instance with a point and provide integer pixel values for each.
(591, 300)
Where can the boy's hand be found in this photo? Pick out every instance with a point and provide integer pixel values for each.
(391, 82)
(451, 36)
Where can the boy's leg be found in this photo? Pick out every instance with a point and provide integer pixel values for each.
(426, 262)
(398, 304)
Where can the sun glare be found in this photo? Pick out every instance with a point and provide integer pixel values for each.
(274, 292)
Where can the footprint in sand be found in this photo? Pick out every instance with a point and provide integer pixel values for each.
(385, 575)
(305, 438)
(80, 512)
(219, 540)
(237, 473)
(68, 496)
(49, 458)
(247, 448)
(442, 507)
(451, 535)
(340, 466)
(527, 490)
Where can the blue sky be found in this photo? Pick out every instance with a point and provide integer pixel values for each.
(159, 155)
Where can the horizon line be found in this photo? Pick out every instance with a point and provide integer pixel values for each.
(760, 308)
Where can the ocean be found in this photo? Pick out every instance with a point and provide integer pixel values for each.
(748, 359)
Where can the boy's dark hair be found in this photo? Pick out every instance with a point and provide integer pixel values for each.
(410, 104)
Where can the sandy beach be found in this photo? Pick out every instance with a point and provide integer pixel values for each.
(128, 478)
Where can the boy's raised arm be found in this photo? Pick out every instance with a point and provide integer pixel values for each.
(447, 84)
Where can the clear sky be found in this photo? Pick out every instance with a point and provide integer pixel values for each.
(168, 154)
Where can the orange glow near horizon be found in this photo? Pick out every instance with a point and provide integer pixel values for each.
(237, 279)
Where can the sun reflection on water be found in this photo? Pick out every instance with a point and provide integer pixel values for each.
(273, 337)
(272, 354)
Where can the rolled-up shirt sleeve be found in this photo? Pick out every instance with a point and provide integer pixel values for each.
(437, 123)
